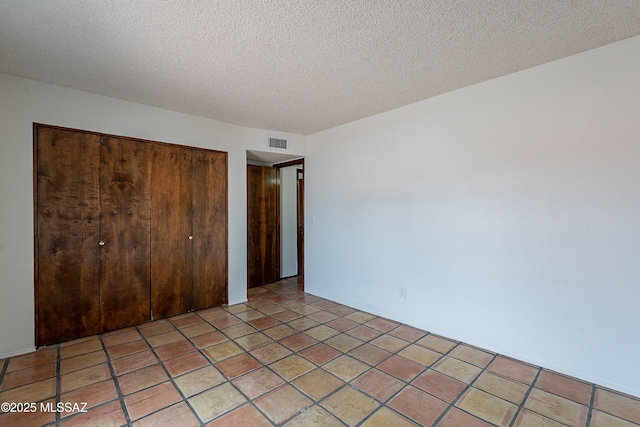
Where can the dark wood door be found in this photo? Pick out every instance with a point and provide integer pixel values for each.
(210, 253)
(125, 228)
(263, 225)
(300, 223)
(67, 234)
(171, 238)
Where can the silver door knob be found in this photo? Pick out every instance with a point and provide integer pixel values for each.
(101, 243)
(190, 237)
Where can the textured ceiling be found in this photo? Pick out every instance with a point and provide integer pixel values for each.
(295, 66)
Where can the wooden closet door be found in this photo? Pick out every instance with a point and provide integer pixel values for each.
(263, 226)
(67, 234)
(171, 235)
(125, 232)
(210, 254)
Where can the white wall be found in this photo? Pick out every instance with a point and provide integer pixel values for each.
(510, 210)
(288, 222)
(23, 102)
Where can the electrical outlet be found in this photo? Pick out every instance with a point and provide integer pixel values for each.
(403, 292)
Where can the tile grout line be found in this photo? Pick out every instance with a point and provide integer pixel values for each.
(591, 403)
(526, 397)
(116, 383)
(164, 368)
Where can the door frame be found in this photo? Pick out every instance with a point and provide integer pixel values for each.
(299, 213)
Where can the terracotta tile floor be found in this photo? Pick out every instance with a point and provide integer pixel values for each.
(293, 359)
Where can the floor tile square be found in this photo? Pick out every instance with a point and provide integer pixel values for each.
(207, 340)
(176, 415)
(93, 395)
(471, 355)
(420, 355)
(251, 341)
(84, 377)
(166, 338)
(345, 367)
(110, 340)
(557, 408)
(512, 369)
(33, 392)
(280, 331)
(418, 405)
(618, 404)
(292, 367)
(29, 360)
(222, 351)
(82, 361)
(238, 365)
(283, 403)
(457, 369)
(389, 343)
(370, 354)
(487, 407)
(131, 347)
(386, 417)
(303, 323)
(157, 327)
(226, 321)
(321, 332)
(186, 320)
(286, 315)
(245, 415)
(350, 405)
(360, 317)
(133, 362)
(341, 310)
(364, 333)
(150, 400)
(175, 349)
(197, 381)
(216, 401)
(318, 383)
(81, 347)
(197, 329)
(378, 384)
(297, 342)
(457, 418)
(526, 418)
(258, 382)
(264, 322)
(107, 415)
(305, 310)
(343, 342)
(564, 386)
(238, 330)
(381, 324)
(320, 353)
(314, 416)
(342, 324)
(502, 387)
(270, 353)
(27, 376)
(322, 316)
(401, 368)
(407, 333)
(250, 315)
(186, 363)
(439, 385)
(141, 379)
(436, 343)
(271, 309)
(602, 419)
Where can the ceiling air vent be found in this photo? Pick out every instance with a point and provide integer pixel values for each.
(278, 143)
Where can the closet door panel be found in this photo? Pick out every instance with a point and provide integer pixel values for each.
(67, 234)
(263, 226)
(171, 247)
(210, 243)
(125, 232)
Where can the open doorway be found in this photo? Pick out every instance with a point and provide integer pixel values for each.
(275, 219)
